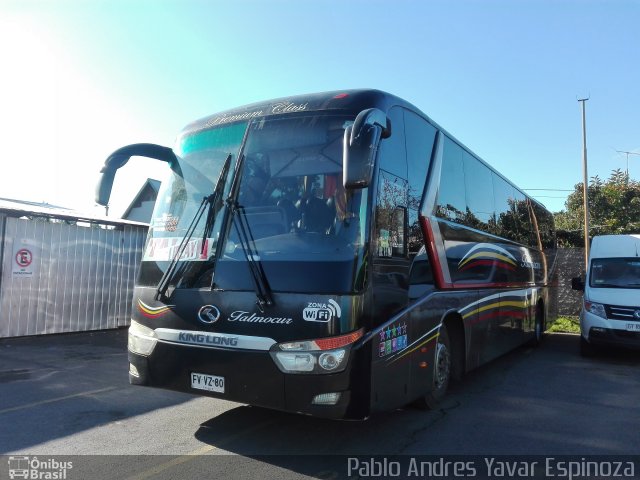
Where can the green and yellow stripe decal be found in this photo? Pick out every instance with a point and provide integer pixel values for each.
(485, 254)
(492, 306)
(153, 312)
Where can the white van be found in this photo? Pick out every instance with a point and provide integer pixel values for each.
(610, 312)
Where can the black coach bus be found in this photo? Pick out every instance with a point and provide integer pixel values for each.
(334, 254)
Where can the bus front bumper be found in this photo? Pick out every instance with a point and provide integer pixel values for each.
(250, 377)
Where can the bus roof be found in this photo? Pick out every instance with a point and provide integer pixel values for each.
(351, 101)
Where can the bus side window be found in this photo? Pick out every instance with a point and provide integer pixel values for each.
(452, 200)
(391, 215)
(480, 206)
(392, 151)
(505, 202)
(420, 269)
(391, 206)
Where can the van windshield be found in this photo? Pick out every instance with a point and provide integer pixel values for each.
(615, 273)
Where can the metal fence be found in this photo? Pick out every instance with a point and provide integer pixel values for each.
(60, 274)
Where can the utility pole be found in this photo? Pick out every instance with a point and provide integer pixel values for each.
(628, 153)
(585, 183)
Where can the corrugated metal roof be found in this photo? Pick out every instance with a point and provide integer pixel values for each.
(20, 208)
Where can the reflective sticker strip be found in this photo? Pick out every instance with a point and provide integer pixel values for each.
(431, 334)
(214, 340)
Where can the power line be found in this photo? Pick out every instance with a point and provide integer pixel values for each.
(628, 153)
(550, 189)
(545, 196)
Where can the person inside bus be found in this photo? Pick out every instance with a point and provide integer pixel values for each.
(292, 214)
(251, 192)
(315, 215)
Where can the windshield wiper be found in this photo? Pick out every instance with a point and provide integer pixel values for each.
(260, 283)
(216, 202)
(209, 202)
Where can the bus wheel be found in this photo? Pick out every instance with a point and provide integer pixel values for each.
(441, 370)
(539, 327)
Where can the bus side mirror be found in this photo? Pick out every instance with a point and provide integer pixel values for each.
(577, 284)
(360, 144)
(103, 189)
(119, 158)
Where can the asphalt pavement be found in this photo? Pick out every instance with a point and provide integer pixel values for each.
(69, 395)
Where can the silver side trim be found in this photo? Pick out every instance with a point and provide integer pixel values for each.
(214, 340)
(430, 204)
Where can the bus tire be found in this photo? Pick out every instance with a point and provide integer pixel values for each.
(442, 368)
(539, 326)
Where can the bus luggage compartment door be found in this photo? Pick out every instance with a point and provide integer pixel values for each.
(390, 368)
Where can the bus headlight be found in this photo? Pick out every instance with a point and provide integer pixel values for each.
(142, 340)
(324, 355)
(295, 361)
(332, 360)
(311, 362)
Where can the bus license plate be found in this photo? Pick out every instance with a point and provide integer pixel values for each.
(211, 383)
(633, 327)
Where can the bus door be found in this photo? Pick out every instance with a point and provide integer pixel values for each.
(390, 284)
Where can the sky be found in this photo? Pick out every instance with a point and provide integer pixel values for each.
(80, 79)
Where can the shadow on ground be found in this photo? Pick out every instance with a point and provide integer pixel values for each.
(52, 386)
(528, 402)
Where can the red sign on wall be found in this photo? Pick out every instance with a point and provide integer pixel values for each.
(24, 258)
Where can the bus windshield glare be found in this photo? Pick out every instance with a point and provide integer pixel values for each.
(306, 230)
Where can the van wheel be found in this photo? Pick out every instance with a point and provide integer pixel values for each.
(441, 370)
(586, 349)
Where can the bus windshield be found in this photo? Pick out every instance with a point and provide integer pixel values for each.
(306, 230)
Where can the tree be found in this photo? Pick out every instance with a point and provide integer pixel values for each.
(614, 208)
